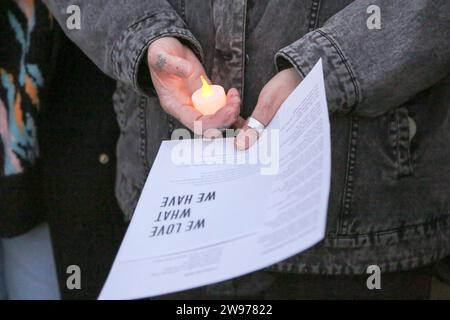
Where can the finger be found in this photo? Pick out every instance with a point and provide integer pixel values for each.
(274, 93)
(264, 112)
(173, 65)
(188, 116)
(246, 138)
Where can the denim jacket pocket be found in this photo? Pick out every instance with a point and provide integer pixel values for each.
(402, 132)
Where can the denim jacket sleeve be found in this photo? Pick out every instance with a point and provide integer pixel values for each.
(371, 71)
(115, 35)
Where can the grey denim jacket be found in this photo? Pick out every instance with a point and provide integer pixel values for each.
(388, 94)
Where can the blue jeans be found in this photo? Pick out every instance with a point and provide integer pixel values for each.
(27, 267)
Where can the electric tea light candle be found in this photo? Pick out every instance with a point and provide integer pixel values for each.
(209, 98)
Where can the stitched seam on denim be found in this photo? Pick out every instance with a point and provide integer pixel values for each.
(292, 61)
(347, 196)
(142, 133)
(404, 143)
(438, 221)
(124, 33)
(348, 67)
(314, 20)
(244, 18)
(397, 144)
(393, 138)
(319, 6)
(409, 155)
(143, 19)
(183, 9)
(403, 165)
(118, 102)
(294, 266)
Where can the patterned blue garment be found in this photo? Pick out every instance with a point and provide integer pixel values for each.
(24, 25)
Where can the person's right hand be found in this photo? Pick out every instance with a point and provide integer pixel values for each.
(175, 72)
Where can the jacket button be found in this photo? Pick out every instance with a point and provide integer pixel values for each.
(103, 158)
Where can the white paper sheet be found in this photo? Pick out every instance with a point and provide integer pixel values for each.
(202, 223)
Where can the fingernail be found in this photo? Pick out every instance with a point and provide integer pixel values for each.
(234, 92)
(240, 142)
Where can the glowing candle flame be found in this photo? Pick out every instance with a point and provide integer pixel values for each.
(207, 91)
(209, 98)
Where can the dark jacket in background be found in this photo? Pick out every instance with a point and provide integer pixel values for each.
(79, 165)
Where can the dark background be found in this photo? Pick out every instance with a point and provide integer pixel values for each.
(78, 158)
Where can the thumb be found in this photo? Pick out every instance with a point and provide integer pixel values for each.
(264, 112)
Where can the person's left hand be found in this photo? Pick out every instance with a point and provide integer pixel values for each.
(272, 96)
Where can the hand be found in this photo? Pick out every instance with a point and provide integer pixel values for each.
(272, 96)
(175, 72)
